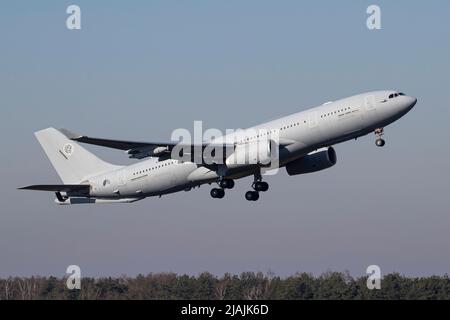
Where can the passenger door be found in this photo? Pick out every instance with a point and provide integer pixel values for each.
(312, 119)
(370, 109)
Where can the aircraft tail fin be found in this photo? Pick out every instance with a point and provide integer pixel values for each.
(72, 162)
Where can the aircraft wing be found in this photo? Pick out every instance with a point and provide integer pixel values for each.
(135, 149)
(140, 150)
(81, 188)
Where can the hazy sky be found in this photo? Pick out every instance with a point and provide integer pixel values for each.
(139, 69)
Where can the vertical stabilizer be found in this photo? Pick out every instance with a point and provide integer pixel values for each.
(71, 161)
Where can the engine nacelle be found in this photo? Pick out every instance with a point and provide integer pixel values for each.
(257, 152)
(315, 161)
(144, 152)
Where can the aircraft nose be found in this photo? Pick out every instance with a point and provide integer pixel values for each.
(412, 102)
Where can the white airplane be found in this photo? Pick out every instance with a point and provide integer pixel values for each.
(303, 141)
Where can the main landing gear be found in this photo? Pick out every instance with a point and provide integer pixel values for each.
(226, 184)
(379, 133)
(258, 186)
(219, 193)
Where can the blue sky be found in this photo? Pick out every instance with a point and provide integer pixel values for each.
(139, 69)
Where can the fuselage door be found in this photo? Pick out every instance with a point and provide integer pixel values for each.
(312, 119)
(371, 109)
(122, 179)
(370, 102)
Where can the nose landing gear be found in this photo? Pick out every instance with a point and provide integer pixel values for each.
(379, 141)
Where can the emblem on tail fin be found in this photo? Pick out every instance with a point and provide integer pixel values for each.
(68, 149)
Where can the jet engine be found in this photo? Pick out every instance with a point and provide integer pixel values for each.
(312, 162)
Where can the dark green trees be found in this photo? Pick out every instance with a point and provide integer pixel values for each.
(248, 286)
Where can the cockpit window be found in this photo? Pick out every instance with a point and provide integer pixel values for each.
(395, 95)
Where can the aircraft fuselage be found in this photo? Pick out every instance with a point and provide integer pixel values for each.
(309, 130)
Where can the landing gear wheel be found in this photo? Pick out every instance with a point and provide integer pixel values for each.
(261, 186)
(252, 195)
(380, 142)
(226, 184)
(217, 193)
(379, 133)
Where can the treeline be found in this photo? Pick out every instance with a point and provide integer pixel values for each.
(248, 286)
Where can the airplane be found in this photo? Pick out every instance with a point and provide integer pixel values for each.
(304, 144)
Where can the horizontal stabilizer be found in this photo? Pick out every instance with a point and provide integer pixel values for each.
(76, 200)
(59, 188)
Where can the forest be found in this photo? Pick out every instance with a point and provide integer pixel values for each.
(247, 286)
